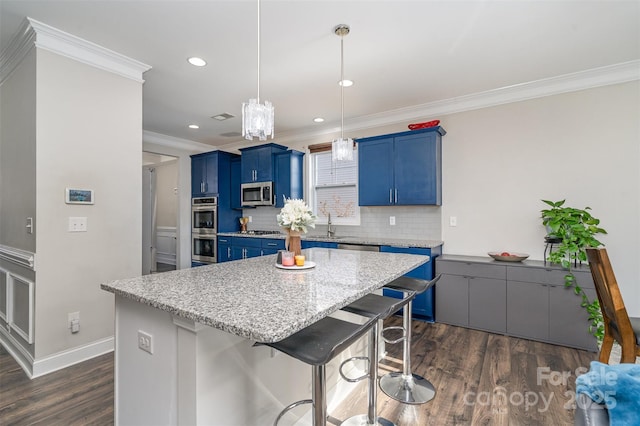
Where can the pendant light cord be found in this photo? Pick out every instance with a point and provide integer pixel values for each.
(342, 86)
(259, 13)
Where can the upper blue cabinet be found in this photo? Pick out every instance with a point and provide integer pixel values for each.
(257, 164)
(401, 168)
(212, 174)
(288, 176)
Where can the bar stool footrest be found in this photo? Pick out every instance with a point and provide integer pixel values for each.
(291, 407)
(398, 340)
(353, 358)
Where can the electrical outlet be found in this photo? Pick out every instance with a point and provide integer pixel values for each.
(250, 219)
(392, 220)
(453, 221)
(73, 321)
(77, 224)
(145, 341)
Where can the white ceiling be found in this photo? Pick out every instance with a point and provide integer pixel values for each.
(399, 53)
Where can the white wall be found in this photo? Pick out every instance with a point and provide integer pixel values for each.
(17, 155)
(89, 135)
(498, 163)
(166, 185)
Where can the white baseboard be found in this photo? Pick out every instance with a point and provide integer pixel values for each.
(72, 356)
(17, 351)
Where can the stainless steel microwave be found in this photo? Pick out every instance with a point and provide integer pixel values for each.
(257, 194)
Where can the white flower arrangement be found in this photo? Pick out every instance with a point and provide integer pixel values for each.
(296, 216)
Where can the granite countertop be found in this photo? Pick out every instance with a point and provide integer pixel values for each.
(252, 298)
(372, 241)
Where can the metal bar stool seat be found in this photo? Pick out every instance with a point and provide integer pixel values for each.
(371, 306)
(316, 345)
(407, 387)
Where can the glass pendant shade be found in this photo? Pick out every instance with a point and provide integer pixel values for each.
(342, 149)
(257, 120)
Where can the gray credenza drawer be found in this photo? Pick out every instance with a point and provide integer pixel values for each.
(471, 269)
(551, 276)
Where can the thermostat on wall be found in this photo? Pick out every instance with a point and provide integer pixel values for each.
(78, 196)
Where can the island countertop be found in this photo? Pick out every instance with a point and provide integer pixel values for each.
(253, 299)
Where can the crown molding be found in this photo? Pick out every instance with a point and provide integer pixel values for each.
(597, 77)
(84, 51)
(45, 37)
(173, 142)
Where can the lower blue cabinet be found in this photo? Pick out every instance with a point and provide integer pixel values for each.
(423, 304)
(323, 244)
(236, 248)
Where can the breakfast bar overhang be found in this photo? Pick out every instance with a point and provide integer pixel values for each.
(201, 324)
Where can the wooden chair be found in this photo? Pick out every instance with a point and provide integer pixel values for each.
(618, 325)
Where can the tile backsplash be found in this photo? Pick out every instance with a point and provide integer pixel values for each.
(412, 222)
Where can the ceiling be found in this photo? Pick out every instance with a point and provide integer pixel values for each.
(399, 53)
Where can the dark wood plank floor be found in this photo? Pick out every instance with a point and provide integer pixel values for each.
(78, 395)
(480, 378)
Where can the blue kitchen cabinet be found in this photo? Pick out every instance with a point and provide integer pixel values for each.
(401, 169)
(211, 175)
(271, 246)
(257, 163)
(423, 304)
(244, 247)
(322, 244)
(375, 172)
(236, 202)
(224, 249)
(204, 174)
(288, 176)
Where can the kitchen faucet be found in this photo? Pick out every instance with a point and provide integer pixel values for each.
(330, 232)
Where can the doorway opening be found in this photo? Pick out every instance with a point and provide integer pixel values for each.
(159, 212)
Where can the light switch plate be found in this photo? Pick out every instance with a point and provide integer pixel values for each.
(77, 224)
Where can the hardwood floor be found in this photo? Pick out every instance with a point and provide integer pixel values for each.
(79, 395)
(480, 378)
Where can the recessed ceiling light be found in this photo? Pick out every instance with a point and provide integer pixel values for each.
(345, 83)
(194, 126)
(318, 120)
(198, 62)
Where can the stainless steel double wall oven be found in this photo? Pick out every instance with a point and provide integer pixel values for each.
(204, 229)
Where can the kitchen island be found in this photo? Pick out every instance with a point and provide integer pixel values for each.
(200, 325)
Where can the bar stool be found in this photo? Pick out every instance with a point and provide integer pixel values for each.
(407, 387)
(316, 345)
(371, 306)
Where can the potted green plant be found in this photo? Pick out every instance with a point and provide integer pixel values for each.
(576, 229)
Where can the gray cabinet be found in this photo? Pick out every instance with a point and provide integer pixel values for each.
(452, 299)
(487, 304)
(528, 313)
(471, 295)
(526, 299)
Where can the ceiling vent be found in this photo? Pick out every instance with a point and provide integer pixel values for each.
(223, 116)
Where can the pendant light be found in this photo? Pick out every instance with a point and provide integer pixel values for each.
(257, 119)
(342, 149)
